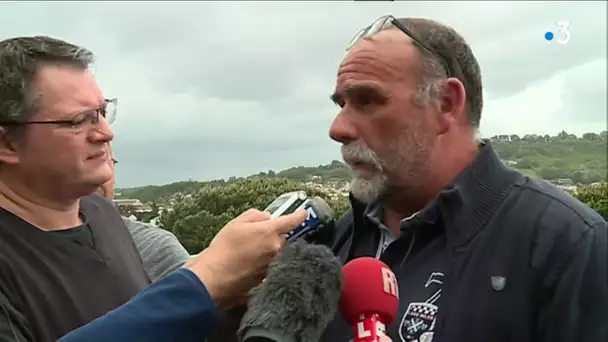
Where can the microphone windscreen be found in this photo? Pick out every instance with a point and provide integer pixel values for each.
(370, 287)
(299, 297)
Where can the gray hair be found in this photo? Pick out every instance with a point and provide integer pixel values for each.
(20, 60)
(460, 59)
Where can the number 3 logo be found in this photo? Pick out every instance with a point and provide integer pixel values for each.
(564, 31)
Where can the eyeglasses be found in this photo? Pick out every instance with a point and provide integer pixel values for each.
(79, 120)
(114, 161)
(386, 20)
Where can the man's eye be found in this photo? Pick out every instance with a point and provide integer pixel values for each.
(363, 101)
(78, 122)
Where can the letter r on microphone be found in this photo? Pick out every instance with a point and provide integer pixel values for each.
(390, 282)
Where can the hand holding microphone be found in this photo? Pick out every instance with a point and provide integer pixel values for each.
(238, 256)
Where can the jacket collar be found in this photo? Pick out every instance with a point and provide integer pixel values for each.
(469, 202)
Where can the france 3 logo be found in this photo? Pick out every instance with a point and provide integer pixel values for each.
(561, 34)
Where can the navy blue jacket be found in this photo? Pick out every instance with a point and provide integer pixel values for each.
(523, 261)
(175, 308)
(520, 260)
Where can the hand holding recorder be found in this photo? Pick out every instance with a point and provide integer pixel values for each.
(318, 228)
(238, 256)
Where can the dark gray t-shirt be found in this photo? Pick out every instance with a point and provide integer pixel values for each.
(160, 251)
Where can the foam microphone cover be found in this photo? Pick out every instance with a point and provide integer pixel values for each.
(298, 299)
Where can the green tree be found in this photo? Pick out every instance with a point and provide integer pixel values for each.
(580, 177)
(591, 136)
(595, 196)
(196, 219)
(527, 163)
(551, 173)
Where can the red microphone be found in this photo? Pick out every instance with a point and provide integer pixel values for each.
(370, 298)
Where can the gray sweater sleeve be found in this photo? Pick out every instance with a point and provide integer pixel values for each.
(160, 250)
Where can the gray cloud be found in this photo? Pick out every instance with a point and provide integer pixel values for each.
(214, 89)
(585, 92)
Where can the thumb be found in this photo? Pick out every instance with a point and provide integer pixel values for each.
(285, 224)
(385, 339)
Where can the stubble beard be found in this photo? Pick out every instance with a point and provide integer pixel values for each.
(400, 173)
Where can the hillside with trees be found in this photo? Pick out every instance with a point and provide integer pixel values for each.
(196, 218)
(581, 159)
(194, 211)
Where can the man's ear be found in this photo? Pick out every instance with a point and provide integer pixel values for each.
(8, 147)
(452, 103)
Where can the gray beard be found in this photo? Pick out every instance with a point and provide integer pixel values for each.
(368, 190)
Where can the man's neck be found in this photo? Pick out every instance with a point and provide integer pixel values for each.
(392, 220)
(44, 213)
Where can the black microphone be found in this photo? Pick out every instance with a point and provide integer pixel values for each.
(298, 299)
(324, 233)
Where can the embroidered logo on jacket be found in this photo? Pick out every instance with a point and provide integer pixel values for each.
(419, 320)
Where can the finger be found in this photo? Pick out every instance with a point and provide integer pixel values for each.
(285, 224)
(253, 215)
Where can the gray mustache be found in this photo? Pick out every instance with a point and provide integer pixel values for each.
(356, 152)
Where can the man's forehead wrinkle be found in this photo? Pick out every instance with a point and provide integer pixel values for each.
(370, 65)
(390, 54)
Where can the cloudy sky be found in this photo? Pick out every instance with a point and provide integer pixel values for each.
(213, 89)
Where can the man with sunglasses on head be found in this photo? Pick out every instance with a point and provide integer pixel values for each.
(482, 253)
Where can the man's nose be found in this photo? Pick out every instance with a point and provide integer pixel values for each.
(102, 131)
(342, 129)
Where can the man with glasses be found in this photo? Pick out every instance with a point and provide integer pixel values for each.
(482, 253)
(65, 257)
